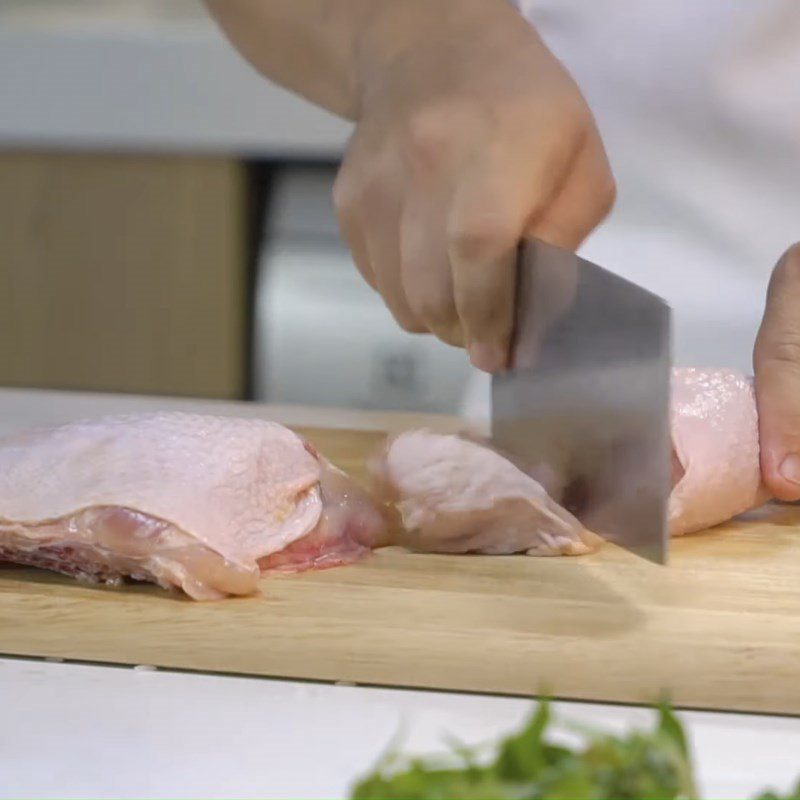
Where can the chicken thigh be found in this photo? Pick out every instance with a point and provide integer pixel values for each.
(198, 502)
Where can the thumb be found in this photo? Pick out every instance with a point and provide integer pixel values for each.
(776, 359)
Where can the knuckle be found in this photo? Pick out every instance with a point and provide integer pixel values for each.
(376, 193)
(344, 194)
(486, 308)
(777, 347)
(436, 309)
(453, 335)
(429, 136)
(574, 119)
(488, 321)
(606, 193)
(563, 233)
(431, 300)
(406, 317)
(785, 351)
(365, 270)
(475, 305)
(351, 193)
(480, 238)
(410, 325)
(582, 117)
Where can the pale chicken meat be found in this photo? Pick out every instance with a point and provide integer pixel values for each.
(197, 502)
(715, 467)
(453, 494)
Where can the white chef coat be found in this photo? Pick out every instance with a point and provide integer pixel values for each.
(698, 103)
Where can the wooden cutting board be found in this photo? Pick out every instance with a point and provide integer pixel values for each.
(719, 628)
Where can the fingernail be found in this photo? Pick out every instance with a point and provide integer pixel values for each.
(488, 357)
(790, 468)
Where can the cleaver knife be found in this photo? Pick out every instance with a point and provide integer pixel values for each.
(584, 403)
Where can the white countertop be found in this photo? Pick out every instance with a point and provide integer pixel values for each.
(143, 75)
(88, 731)
(75, 730)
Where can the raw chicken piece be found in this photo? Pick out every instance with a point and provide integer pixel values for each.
(457, 496)
(184, 500)
(716, 472)
(348, 526)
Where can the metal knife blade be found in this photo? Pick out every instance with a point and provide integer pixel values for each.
(585, 402)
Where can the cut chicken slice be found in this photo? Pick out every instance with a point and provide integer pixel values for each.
(185, 500)
(459, 496)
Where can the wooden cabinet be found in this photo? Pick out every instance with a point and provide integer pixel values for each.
(123, 273)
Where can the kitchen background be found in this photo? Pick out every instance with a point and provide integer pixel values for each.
(166, 227)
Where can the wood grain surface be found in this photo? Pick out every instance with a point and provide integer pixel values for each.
(123, 273)
(719, 628)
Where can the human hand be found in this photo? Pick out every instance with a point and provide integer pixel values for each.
(470, 135)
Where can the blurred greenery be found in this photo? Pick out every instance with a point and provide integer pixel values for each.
(527, 765)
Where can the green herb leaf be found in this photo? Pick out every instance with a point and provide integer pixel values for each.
(523, 756)
(655, 765)
(670, 726)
